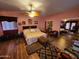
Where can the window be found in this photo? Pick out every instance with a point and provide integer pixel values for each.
(73, 25)
(9, 25)
(67, 25)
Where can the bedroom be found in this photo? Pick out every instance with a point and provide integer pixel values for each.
(7, 8)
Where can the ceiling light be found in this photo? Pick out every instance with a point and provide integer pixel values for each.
(65, 20)
(32, 12)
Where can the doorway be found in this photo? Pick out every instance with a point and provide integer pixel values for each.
(48, 26)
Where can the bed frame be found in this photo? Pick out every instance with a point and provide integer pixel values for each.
(29, 27)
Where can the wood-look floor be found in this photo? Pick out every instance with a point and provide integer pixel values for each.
(62, 42)
(15, 49)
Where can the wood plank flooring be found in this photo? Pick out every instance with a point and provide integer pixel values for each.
(15, 49)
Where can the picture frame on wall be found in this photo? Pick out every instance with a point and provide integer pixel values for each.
(35, 22)
(29, 21)
(23, 22)
(19, 24)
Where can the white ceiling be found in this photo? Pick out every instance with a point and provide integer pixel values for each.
(47, 7)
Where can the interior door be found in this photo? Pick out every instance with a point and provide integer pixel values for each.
(48, 25)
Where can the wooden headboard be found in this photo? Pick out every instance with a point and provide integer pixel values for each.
(25, 27)
(33, 27)
(29, 27)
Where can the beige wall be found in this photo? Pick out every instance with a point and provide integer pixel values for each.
(57, 18)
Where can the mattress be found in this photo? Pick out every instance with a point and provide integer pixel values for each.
(32, 35)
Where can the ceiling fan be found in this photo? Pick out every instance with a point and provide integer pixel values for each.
(33, 13)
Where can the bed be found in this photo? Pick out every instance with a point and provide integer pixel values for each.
(32, 33)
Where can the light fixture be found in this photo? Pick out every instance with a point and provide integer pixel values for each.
(33, 13)
(65, 20)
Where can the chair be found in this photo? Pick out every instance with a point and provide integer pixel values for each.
(53, 33)
(65, 56)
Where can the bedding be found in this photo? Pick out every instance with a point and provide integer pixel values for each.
(31, 35)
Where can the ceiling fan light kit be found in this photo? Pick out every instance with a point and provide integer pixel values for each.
(32, 12)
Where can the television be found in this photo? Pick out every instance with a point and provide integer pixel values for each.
(9, 25)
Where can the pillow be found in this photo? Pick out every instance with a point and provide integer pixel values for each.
(32, 30)
(35, 30)
(26, 30)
